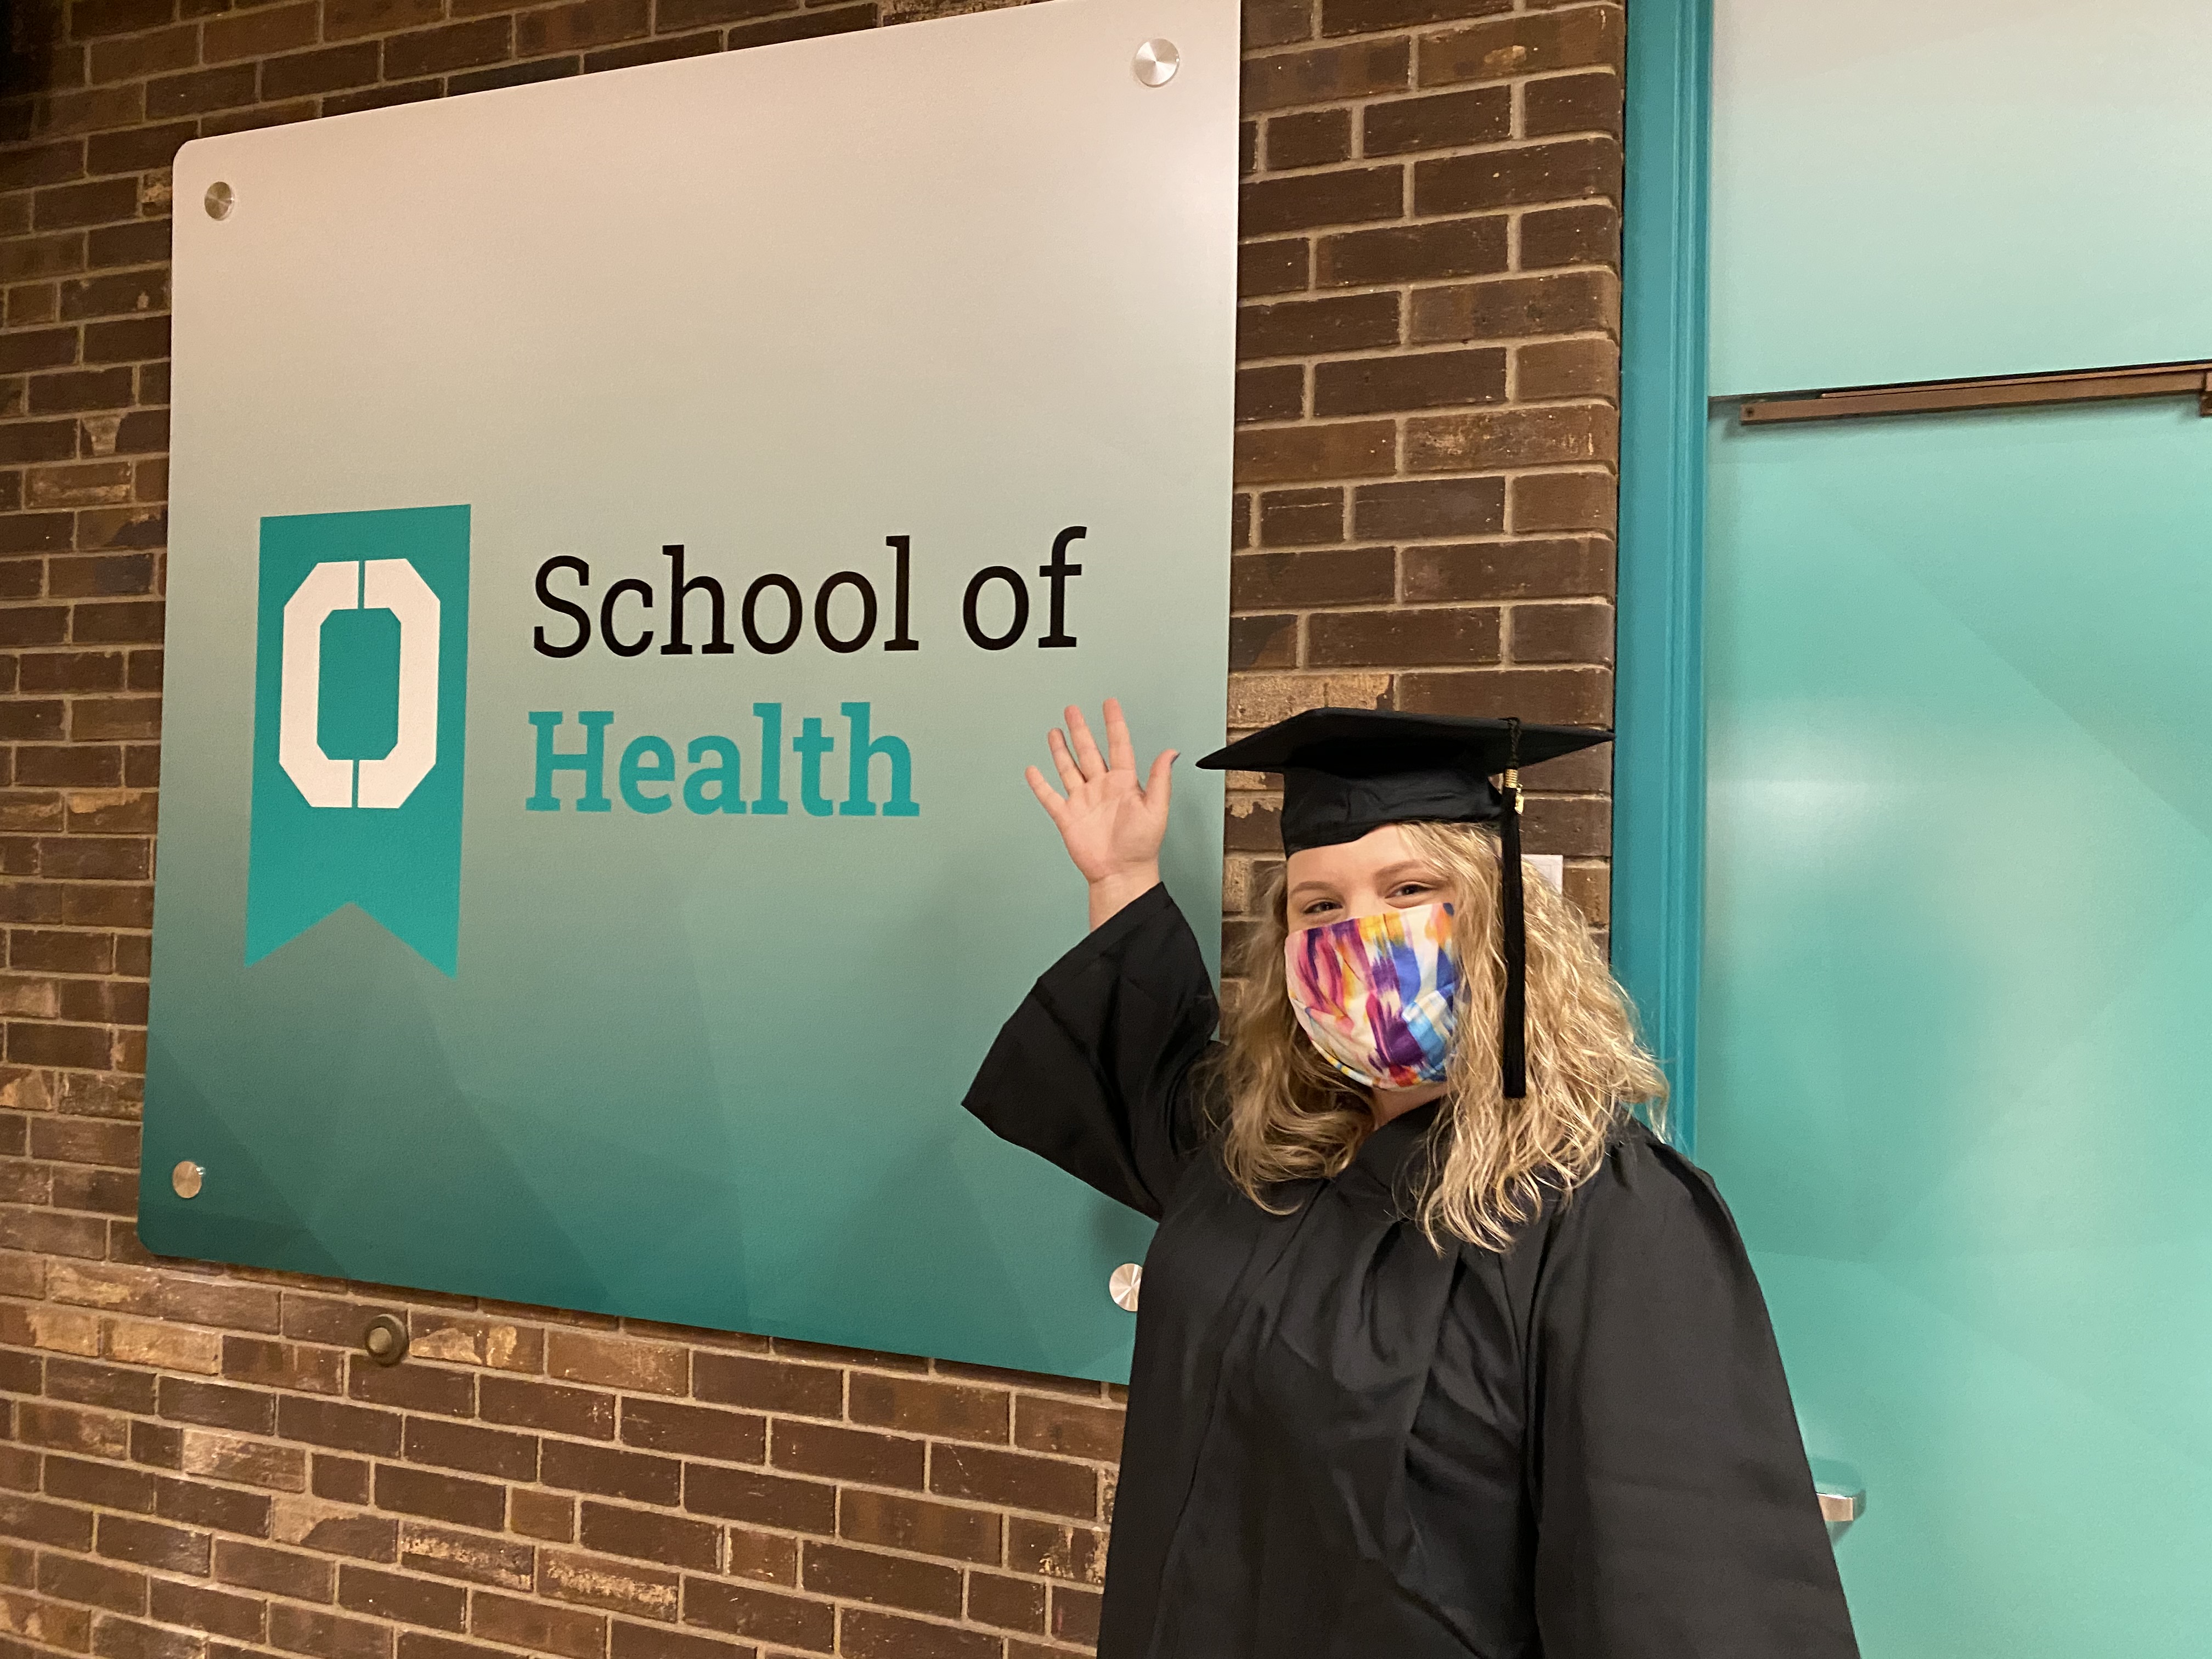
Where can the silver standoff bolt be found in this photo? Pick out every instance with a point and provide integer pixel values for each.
(220, 198)
(1156, 64)
(1123, 1285)
(385, 1340)
(185, 1179)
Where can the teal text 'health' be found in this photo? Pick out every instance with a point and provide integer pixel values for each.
(713, 775)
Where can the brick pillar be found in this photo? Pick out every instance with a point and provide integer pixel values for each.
(201, 1462)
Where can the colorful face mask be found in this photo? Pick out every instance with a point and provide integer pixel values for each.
(1375, 993)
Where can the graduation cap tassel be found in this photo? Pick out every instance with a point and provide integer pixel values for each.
(1513, 1037)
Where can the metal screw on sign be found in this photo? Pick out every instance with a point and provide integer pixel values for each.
(185, 1179)
(220, 198)
(1124, 1284)
(1156, 62)
(386, 1338)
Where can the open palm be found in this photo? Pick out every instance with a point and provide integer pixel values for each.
(1112, 823)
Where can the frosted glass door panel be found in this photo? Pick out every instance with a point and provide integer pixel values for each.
(1955, 1048)
(1912, 190)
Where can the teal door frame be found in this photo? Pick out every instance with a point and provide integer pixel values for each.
(1659, 761)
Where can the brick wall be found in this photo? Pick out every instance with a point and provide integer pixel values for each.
(201, 1462)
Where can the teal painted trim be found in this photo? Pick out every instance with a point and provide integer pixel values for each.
(1659, 764)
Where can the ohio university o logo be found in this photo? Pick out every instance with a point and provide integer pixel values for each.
(361, 682)
(384, 781)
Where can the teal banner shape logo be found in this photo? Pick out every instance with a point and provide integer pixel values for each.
(360, 708)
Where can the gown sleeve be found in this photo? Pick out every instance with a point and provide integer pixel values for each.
(1675, 1515)
(1094, 1072)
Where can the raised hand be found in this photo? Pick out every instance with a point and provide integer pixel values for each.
(1111, 823)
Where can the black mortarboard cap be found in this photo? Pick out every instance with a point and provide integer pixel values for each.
(1348, 771)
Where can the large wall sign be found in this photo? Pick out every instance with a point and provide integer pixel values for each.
(629, 534)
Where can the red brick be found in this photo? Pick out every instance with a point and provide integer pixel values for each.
(1067, 1428)
(609, 1473)
(765, 1500)
(648, 1535)
(58, 1524)
(1546, 369)
(538, 1626)
(440, 1497)
(548, 1406)
(1569, 38)
(1587, 233)
(344, 18)
(1562, 501)
(151, 1544)
(436, 51)
(1556, 434)
(918, 1407)
(699, 1431)
(196, 1504)
(1413, 380)
(1342, 322)
(598, 1580)
(415, 1386)
(886, 1636)
(1279, 267)
(1369, 16)
(1309, 138)
(203, 90)
(854, 1574)
(746, 1610)
(1075, 1615)
(1447, 120)
(1353, 196)
(1015, 1479)
(1006, 1603)
(810, 25)
(403, 1597)
(217, 1612)
(1276, 391)
(1573, 103)
(1559, 171)
(305, 1630)
(25, 166)
(111, 1488)
(117, 1589)
(463, 1446)
(582, 23)
(1340, 449)
(332, 69)
(1565, 697)
(1562, 632)
(1429, 508)
(630, 1641)
(617, 1363)
(1324, 74)
(281, 1572)
(497, 1562)
(877, 1460)
(1262, 642)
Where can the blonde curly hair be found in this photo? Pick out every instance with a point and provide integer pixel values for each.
(1289, 1117)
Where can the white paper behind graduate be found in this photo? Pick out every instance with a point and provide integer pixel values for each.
(520, 933)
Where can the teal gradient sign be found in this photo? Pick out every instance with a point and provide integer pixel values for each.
(595, 855)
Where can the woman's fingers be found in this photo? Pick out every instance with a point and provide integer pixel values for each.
(1160, 786)
(1084, 745)
(1070, 775)
(1120, 754)
(1048, 797)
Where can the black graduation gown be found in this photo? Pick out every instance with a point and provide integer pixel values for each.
(1343, 1441)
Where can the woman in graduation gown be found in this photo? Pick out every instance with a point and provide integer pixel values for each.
(1440, 1353)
